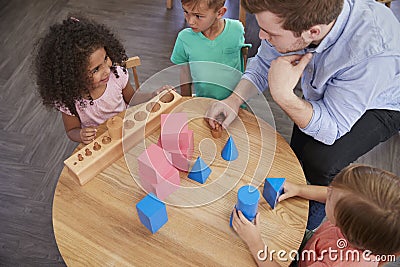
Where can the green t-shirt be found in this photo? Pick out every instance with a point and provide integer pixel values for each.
(216, 66)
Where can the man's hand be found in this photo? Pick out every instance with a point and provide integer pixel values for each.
(284, 74)
(223, 112)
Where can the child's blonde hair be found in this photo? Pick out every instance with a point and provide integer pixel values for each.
(369, 212)
(216, 4)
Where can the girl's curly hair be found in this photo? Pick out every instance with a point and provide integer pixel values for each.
(62, 59)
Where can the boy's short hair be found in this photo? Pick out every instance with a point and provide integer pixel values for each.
(369, 212)
(298, 16)
(216, 4)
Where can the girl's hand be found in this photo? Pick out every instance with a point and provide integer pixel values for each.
(163, 88)
(290, 190)
(246, 230)
(88, 135)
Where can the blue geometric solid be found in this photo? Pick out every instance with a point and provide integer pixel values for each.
(152, 212)
(273, 188)
(200, 171)
(229, 152)
(248, 197)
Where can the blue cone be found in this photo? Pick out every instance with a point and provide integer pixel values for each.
(229, 152)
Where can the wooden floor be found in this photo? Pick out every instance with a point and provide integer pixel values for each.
(33, 142)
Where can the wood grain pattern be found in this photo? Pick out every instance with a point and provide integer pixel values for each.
(97, 224)
(89, 166)
(33, 141)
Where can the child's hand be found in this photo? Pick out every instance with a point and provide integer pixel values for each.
(290, 190)
(88, 135)
(163, 88)
(247, 231)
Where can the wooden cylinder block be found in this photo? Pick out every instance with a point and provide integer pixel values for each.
(114, 126)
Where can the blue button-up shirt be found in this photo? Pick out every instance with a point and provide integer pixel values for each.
(355, 68)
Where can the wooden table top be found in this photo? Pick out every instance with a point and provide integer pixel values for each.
(97, 224)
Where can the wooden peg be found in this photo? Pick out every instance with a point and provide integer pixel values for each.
(88, 152)
(96, 146)
(80, 157)
(217, 131)
(106, 140)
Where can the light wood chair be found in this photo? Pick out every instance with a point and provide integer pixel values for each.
(132, 63)
(245, 52)
(386, 2)
(169, 4)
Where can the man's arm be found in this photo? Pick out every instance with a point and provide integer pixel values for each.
(225, 111)
(283, 76)
(253, 81)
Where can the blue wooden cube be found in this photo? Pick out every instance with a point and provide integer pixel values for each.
(152, 212)
(273, 188)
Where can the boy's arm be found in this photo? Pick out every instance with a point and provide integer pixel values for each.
(311, 192)
(74, 131)
(185, 80)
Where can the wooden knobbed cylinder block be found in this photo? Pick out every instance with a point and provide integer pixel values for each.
(114, 126)
(217, 132)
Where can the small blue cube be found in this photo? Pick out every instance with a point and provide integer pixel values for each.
(152, 212)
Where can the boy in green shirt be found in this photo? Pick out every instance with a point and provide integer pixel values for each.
(210, 50)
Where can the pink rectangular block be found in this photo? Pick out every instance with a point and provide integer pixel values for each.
(155, 157)
(156, 176)
(183, 141)
(174, 127)
(174, 123)
(164, 188)
(186, 144)
(180, 161)
(154, 164)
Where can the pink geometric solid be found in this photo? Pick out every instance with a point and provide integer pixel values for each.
(180, 159)
(174, 128)
(174, 123)
(154, 164)
(165, 187)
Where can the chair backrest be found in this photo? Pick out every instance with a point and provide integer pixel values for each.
(245, 51)
(386, 2)
(132, 63)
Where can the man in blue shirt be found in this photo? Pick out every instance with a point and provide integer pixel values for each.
(347, 54)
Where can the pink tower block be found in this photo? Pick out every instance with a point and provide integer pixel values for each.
(174, 128)
(186, 143)
(165, 187)
(174, 123)
(180, 159)
(154, 164)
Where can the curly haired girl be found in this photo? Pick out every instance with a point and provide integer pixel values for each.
(80, 71)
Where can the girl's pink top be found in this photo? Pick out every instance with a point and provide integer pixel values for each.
(108, 105)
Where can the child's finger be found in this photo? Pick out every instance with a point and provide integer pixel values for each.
(283, 197)
(257, 219)
(242, 218)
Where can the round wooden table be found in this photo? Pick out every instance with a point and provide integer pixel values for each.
(97, 224)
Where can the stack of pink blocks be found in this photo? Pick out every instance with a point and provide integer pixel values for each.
(159, 164)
